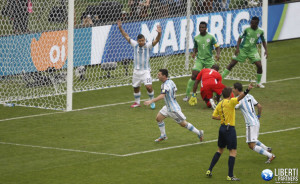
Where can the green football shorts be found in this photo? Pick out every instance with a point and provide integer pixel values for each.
(253, 56)
(203, 63)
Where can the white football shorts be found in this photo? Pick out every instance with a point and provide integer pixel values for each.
(252, 133)
(178, 116)
(141, 76)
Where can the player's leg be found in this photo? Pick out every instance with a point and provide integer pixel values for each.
(148, 85)
(232, 145)
(269, 149)
(196, 69)
(221, 145)
(259, 74)
(180, 118)
(214, 160)
(258, 143)
(231, 162)
(251, 139)
(228, 68)
(161, 115)
(150, 92)
(241, 57)
(136, 82)
(255, 58)
(206, 94)
(190, 85)
(137, 97)
(210, 103)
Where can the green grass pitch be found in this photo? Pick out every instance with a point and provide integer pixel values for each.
(109, 143)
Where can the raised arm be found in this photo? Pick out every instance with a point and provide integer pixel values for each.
(126, 36)
(158, 36)
(245, 92)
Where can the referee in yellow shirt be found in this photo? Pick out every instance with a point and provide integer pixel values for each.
(225, 111)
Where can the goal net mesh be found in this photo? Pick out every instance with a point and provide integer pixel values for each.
(34, 43)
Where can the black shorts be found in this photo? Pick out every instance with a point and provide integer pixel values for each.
(227, 137)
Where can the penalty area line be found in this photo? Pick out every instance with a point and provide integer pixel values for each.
(135, 153)
(204, 142)
(60, 149)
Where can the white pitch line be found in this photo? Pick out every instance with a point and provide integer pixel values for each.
(107, 105)
(136, 153)
(31, 116)
(205, 142)
(60, 149)
(284, 79)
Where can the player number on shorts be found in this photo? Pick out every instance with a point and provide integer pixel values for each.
(148, 80)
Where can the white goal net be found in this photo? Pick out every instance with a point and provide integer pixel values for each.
(34, 43)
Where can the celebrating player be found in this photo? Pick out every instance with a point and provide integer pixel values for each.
(172, 108)
(141, 72)
(203, 46)
(247, 105)
(249, 50)
(211, 81)
(225, 111)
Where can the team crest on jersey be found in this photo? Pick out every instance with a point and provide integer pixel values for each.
(258, 35)
(208, 40)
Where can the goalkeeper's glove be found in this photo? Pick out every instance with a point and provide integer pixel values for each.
(193, 100)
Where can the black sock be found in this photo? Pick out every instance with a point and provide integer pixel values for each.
(231, 161)
(214, 160)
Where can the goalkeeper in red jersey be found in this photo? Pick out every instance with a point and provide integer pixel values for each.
(211, 81)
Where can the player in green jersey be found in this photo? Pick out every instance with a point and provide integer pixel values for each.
(248, 49)
(204, 43)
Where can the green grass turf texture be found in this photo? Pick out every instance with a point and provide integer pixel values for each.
(121, 130)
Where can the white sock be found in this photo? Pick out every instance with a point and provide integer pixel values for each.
(151, 95)
(162, 128)
(258, 143)
(137, 97)
(262, 151)
(191, 128)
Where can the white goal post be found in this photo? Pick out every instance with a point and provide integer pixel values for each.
(51, 49)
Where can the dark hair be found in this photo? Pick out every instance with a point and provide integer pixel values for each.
(216, 67)
(227, 92)
(238, 86)
(255, 18)
(164, 72)
(203, 23)
(140, 36)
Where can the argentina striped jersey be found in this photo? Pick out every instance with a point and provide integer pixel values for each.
(247, 107)
(141, 55)
(169, 89)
